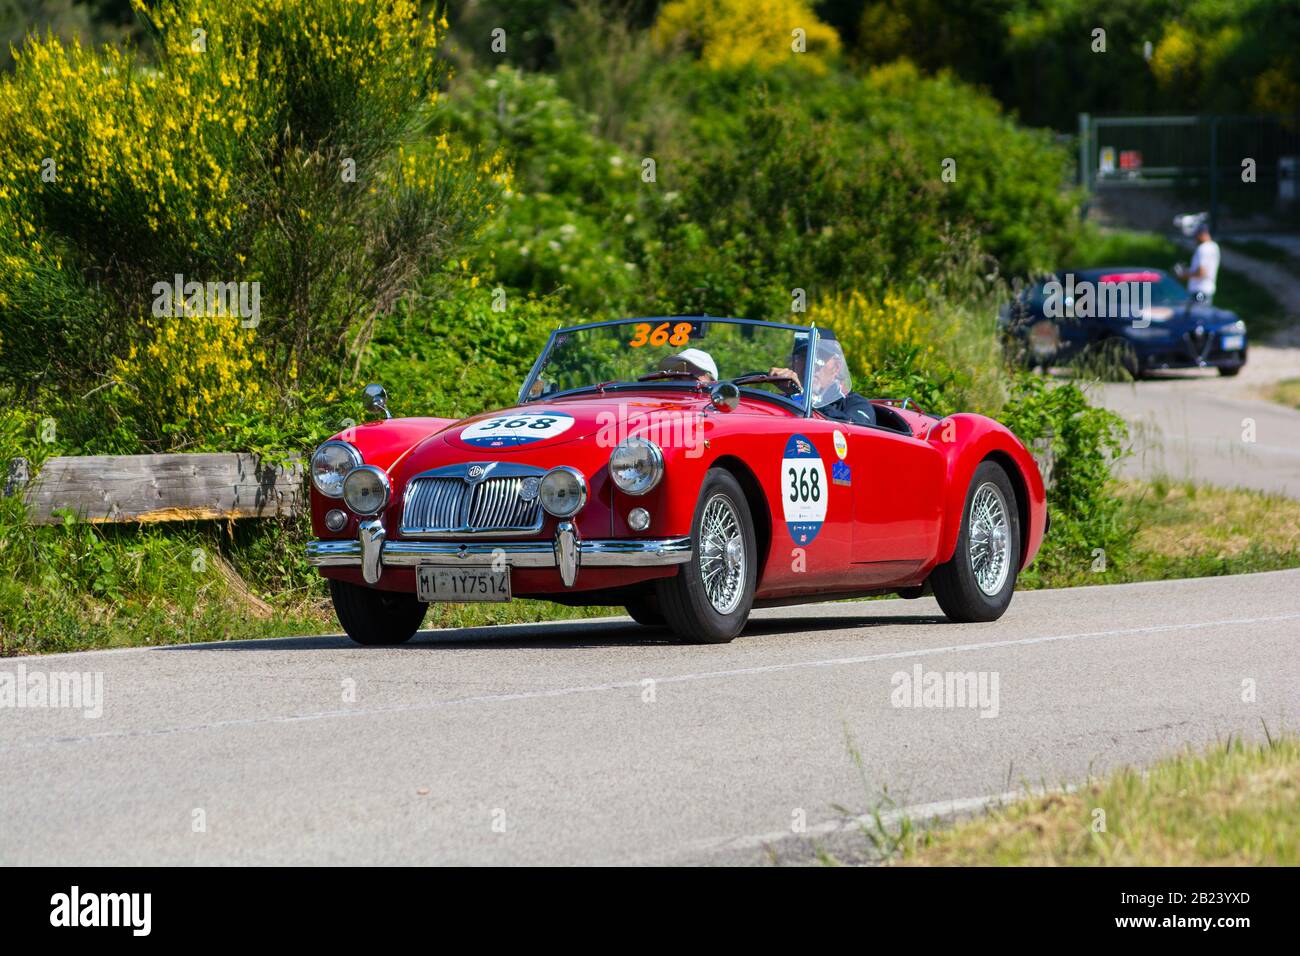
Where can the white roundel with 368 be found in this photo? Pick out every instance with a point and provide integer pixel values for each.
(804, 490)
(519, 428)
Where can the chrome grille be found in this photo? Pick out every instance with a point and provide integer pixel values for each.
(447, 502)
(434, 503)
(496, 504)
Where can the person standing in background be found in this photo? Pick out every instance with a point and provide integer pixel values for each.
(1203, 272)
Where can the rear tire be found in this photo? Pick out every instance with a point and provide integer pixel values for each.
(976, 584)
(376, 618)
(709, 599)
(1228, 371)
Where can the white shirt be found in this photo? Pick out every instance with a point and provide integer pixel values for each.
(1206, 258)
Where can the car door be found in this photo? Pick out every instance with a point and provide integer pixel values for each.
(897, 483)
(812, 518)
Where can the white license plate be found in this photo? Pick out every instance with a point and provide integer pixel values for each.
(1232, 343)
(462, 584)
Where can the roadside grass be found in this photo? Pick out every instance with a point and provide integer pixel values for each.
(1235, 804)
(1185, 530)
(1264, 252)
(1286, 392)
(1102, 246)
(1259, 308)
(84, 587)
(80, 586)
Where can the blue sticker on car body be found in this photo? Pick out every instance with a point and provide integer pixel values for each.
(803, 489)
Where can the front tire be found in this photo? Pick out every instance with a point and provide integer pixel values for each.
(376, 618)
(644, 612)
(709, 599)
(977, 582)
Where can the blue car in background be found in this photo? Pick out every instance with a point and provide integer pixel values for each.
(1142, 318)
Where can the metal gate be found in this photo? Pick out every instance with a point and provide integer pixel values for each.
(1245, 167)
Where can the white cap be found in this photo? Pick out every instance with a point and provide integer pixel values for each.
(690, 360)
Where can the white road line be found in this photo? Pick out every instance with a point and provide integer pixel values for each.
(763, 614)
(675, 679)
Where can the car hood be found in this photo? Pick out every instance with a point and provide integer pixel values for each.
(1197, 313)
(541, 425)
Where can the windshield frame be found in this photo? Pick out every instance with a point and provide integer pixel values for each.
(803, 406)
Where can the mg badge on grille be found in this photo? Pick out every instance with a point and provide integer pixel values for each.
(475, 472)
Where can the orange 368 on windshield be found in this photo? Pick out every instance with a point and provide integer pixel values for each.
(680, 334)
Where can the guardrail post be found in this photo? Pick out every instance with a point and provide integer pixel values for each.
(1085, 150)
(20, 472)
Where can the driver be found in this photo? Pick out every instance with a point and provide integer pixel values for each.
(695, 361)
(832, 393)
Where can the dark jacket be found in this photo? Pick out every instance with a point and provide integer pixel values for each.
(852, 408)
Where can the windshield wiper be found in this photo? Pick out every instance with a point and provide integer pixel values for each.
(668, 373)
(756, 378)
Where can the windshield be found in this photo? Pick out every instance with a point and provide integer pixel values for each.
(687, 352)
(1168, 291)
(1164, 290)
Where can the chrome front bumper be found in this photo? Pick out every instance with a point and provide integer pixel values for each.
(566, 552)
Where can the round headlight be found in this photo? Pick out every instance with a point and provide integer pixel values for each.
(366, 490)
(330, 465)
(563, 491)
(636, 465)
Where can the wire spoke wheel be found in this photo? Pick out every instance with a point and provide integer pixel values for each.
(722, 554)
(989, 534)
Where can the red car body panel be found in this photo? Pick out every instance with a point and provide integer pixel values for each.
(893, 506)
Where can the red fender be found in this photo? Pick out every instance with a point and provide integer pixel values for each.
(966, 440)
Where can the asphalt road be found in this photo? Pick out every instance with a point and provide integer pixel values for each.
(1196, 425)
(546, 731)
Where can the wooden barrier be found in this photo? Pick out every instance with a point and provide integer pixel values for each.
(149, 488)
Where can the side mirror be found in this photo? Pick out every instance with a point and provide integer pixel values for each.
(724, 396)
(375, 399)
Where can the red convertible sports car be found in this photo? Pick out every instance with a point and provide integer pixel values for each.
(688, 468)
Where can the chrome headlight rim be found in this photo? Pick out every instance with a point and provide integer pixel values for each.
(656, 465)
(582, 490)
(353, 454)
(384, 483)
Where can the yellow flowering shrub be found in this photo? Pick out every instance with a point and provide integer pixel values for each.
(1277, 89)
(195, 373)
(734, 33)
(871, 331)
(1174, 59)
(112, 152)
(280, 143)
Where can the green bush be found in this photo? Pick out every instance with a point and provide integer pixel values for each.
(1038, 56)
(457, 356)
(1080, 442)
(837, 184)
(578, 216)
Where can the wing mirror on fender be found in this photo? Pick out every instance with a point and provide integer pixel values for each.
(724, 396)
(375, 399)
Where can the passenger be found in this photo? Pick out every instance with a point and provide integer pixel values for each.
(696, 361)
